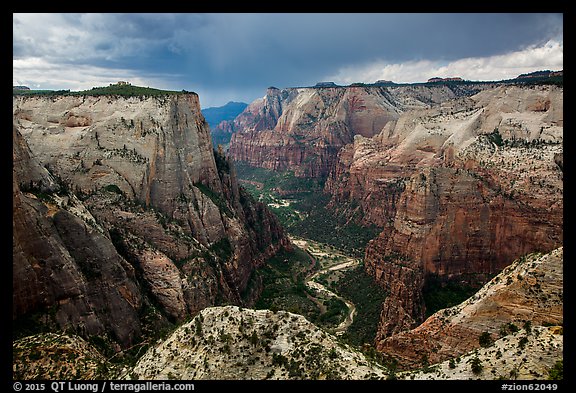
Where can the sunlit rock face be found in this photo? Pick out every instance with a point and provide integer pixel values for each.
(303, 129)
(121, 204)
(460, 190)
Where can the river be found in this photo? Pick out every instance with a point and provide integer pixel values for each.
(329, 259)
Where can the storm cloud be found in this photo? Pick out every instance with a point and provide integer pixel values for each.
(227, 56)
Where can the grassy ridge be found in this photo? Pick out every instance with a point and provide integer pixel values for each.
(115, 90)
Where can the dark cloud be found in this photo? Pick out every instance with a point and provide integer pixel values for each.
(232, 48)
(232, 52)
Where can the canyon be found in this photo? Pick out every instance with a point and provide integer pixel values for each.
(132, 232)
(461, 183)
(235, 343)
(460, 191)
(302, 129)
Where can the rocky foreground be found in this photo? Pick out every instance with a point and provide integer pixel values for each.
(523, 355)
(528, 293)
(512, 328)
(233, 343)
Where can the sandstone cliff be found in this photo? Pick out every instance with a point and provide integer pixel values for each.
(528, 294)
(61, 264)
(460, 190)
(121, 205)
(302, 129)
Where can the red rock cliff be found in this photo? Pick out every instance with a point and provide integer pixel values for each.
(302, 129)
(461, 190)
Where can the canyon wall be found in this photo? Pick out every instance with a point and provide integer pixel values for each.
(121, 206)
(303, 129)
(460, 190)
(526, 294)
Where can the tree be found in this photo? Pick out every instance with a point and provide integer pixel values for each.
(254, 338)
(476, 365)
(557, 371)
(199, 327)
(485, 340)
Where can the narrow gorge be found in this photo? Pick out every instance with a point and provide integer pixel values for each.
(461, 179)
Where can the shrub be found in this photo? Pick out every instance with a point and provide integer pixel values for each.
(485, 340)
(557, 371)
(476, 365)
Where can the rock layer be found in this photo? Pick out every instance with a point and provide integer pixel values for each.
(302, 129)
(460, 190)
(62, 264)
(528, 293)
(126, 210)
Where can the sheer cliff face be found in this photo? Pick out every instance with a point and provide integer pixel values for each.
(121, 204)
(302, 129)
(454, 197)
(62, 265)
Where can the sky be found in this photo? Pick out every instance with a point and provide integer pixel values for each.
(236, 56)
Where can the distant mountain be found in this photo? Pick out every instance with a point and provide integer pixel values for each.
(437, 79)
(220, 119)
(214, 115)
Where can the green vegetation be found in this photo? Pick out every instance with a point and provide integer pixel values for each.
(358, 287)
(300, 205)
(113, 90)
(508, 328)
(495, 137)
(476, 365)
(218, 199)
(284, 288)
(485, 340)
(56, 356)
(222, 248)
(336, 310)
(522, 342)
(274, 181)
(113, 188)
(322, 224)
(557, 371)
(439, 293)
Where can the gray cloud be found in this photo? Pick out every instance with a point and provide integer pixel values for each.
(248, 52)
